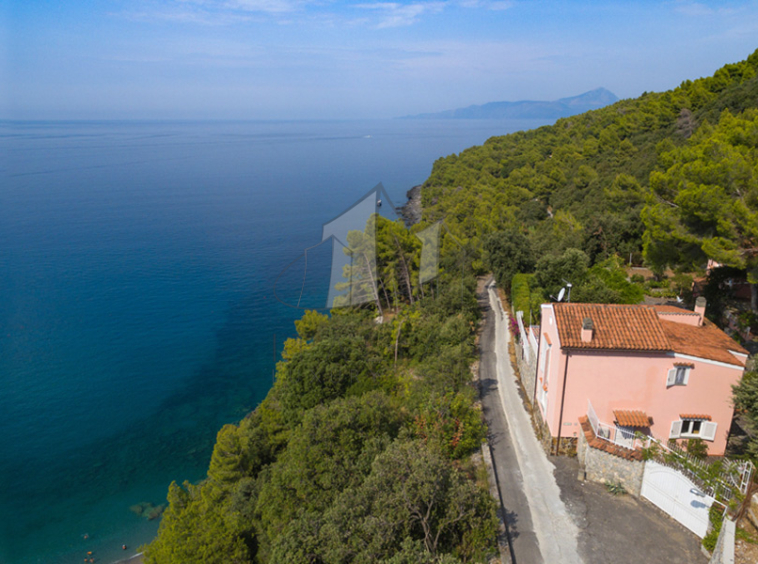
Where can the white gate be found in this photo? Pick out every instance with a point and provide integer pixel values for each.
(675, 494)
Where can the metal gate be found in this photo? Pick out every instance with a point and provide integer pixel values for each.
(675, 494)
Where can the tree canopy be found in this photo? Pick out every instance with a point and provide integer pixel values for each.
(704, 205)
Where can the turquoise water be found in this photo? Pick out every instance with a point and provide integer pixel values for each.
(137, 315)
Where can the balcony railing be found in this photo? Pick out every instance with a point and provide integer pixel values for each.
(719, 482)
(613, 434)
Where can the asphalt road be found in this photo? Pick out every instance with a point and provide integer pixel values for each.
(539, 525)
(551, 516)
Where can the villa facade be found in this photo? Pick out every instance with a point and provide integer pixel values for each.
(659, 370)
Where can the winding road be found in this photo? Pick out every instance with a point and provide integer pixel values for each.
(540, 528)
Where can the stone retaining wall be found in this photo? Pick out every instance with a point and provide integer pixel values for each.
(608, 464)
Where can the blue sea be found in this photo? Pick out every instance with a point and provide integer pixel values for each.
(137, 309)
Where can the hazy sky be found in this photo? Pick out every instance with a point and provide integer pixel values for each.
(328, 59)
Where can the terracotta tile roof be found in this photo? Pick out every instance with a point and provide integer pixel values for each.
(673, 310)
(706, 341)
(619, 327)
(695, 416)
(640, 328)
(631, 418)
(605, 446)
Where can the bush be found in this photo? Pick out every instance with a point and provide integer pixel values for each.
(683, 286)
(717, 519)
(697, 448)
(710, 540)
(615, 488)
(451, 424)
(520, 293)
(323, 371)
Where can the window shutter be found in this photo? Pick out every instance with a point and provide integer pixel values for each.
(687, 376)
(708, 431)
(543, 346)
(671, 378)
(676, 429)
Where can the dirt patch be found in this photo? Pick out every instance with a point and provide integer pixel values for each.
(745, 552)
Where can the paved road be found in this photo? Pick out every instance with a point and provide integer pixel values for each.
(539, 526)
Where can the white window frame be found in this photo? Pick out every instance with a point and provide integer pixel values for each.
(684, 429)
(678, 376)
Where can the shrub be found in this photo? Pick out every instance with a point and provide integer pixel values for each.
(615, 488)
(717, 519)
(697, 448)
(520, 293)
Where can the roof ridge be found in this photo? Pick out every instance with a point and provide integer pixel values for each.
(643, 328)
(683, 312)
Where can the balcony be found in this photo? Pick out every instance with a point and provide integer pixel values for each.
(624, 437)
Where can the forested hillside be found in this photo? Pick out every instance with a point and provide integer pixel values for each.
(361, 450)
(581, 185)
(361, 453)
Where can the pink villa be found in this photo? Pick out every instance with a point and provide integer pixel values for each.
(660, 370)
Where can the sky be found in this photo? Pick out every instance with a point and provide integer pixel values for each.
(323, 59)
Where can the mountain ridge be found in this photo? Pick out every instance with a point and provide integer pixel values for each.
(528, 109)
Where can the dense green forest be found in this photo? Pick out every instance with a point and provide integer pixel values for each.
(361, 451)
(665, 179)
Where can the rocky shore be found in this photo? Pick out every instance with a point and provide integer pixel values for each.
(411, 211)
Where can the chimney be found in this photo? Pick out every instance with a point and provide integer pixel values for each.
(700, 308)
(587, 330)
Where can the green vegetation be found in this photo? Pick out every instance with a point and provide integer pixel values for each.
(697, 448)
(704, 204)
(521, 295)
(361, 450)
(716, 517)
(746, 402)
(683, 160)
(615, 488)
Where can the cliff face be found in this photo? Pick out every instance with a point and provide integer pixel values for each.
(411, 211)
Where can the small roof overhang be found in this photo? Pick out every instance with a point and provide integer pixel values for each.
(700, 416)
(631, 418)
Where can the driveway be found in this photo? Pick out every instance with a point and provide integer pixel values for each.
(622, 529)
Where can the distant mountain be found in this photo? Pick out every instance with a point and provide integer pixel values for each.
(527, 109)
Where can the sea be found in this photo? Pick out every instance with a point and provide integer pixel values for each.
(144, 269)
